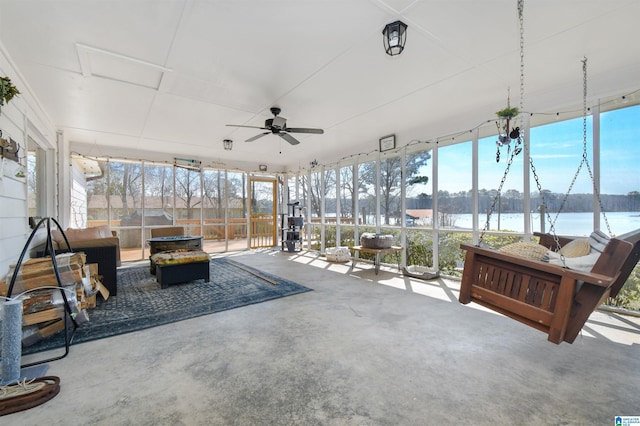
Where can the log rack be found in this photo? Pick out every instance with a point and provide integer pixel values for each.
(68, 334)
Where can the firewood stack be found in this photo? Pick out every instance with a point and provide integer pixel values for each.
(43, 305)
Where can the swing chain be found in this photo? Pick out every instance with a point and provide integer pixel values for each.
(521, 19)
(502, 181)
(517, 148)
(596, 191)
(552, 229)
(585, 160)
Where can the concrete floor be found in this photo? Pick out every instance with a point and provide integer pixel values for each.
(359, 350)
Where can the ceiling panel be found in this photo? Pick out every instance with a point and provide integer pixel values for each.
(321, 61)
(252, 53)
(90, 102)
(178, 118)
(363, 81)
(46, 31)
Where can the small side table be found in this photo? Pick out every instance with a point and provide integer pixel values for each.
(359, 249)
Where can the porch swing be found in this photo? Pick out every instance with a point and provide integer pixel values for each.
(551, 298)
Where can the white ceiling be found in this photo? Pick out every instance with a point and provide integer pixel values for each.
(166, 76)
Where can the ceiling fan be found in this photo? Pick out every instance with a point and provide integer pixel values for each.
(278, 126)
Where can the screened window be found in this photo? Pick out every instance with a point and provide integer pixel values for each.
(188, 200)
(620, 181)
(367, 195)
(556, 153)
(454, 185)
(390, 181)
(503, 206)
(125, 198)
(158, 194)
(35, 183)
(97, 199)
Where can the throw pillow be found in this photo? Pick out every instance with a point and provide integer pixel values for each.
(104, 231)
(82, 234)
(576, 248)
(528, 250)
(598, 241)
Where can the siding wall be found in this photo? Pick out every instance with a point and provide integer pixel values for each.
(21, 119)
(78, 204)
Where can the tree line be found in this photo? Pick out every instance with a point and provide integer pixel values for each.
(512, 201)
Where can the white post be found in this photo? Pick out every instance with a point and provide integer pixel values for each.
(526, 178)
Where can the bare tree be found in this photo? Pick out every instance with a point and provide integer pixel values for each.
(391, 179)
(188, 188)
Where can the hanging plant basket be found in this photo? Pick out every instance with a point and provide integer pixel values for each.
(508, 113)
(7, 90)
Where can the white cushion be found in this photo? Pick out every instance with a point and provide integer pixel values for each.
(582, 263)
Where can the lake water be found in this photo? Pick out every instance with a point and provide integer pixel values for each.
(576, 224)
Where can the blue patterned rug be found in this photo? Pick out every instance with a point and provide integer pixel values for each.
(141, 303)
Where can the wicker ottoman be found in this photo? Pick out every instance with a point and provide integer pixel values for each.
(181, 266)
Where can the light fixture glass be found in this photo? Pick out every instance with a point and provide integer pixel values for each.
(394, 37)
(263, 167)
(228, 144)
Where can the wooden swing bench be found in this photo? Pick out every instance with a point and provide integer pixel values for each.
(542, 295)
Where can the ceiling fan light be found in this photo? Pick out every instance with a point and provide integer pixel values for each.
(394, 37)
(279, 123)
(228, 144)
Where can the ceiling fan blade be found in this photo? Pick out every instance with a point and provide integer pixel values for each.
(249, 127)
(257, 136)
(287, 137)
(304, 130)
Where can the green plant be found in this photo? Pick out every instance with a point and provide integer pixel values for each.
(508, 112)
(629, 296)
(7, 90)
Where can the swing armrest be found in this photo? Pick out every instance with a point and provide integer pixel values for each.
(587, 277)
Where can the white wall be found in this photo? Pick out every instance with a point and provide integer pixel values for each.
(78, 194)
(21, 119)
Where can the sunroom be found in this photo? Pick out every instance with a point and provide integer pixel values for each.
(496, 121)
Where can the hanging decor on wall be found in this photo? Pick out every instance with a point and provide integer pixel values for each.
(7, 90)
(9, 148)
(187, 163)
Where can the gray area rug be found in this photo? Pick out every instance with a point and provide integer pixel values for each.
(141, 303)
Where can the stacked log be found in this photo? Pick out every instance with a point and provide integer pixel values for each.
(42, 302)
(39, 272)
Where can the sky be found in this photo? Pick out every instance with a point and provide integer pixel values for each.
(557, 155)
